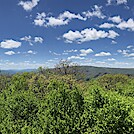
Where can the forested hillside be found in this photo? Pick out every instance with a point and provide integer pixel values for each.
(46, 102)
(89, 72)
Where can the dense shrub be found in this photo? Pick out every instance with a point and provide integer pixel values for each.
(18, 111)
(110, 81)
(32, 103)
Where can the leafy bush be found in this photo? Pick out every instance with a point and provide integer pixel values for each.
(110, 82)
(32, 103)
(18, 111)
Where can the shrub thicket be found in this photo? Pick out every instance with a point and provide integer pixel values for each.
(32, 103)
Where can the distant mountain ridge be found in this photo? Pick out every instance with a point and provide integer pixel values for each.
(93, 72)
(13, 71)
(89, 71)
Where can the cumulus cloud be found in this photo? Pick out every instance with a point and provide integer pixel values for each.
(10, 53)
(103, 54)
(96, 12)
(126, 52)
(130, 46)
(31, 40)
(129, 52)
(27, 39)
(115, 19)
(106, 25)
(130, 55)
(38, 39)
(118, 2)
(111, 59)
(120, 23)
(70, 16)
(112, 34)
(121, 2)
(129, 25)
(9, 44)
(63, 19)
(56, 22)
(76, 57)
(70, 51)
(31, 52)
(72, 36)
(46, 20)
(85, 52)
(88, 34)
(28, 5)
(40, 19)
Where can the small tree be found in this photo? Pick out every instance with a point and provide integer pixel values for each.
(63, 67)
(66, 67)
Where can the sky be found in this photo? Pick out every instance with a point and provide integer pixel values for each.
(36, 33)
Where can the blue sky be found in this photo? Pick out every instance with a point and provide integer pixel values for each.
(37, 33)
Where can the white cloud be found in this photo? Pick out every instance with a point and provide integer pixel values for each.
(118, 2)
(56, 22)
(129, 52)
(121, 64)
(38, 39)
(26, 38)
(76, 57)
(119, 51)
(85, 52)
(130, 55)
(124, 52)
(70, 51)
(28, 5)
(130, 46)
(40, 19)
(112, 34)
(63, 19)
(120, 23)
(72, 36)
(46, 20)
(103, 54)
(21, 65)
(9, 44)
(121, 2)
(111, 59)
(70, 16)
(96, 12)
(31, 52)
(31, 41)
(54, 53)
(101, 62)
(129, 25)
(106, 25)
(88, 34)
(113, 42)
(10, 53)
(115, 19)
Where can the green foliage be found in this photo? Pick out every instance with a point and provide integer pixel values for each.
(18, 111)
(4, 82)
(112, 113)
(38, 103)
(62, 110)
(110, 81)
(19, 81)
